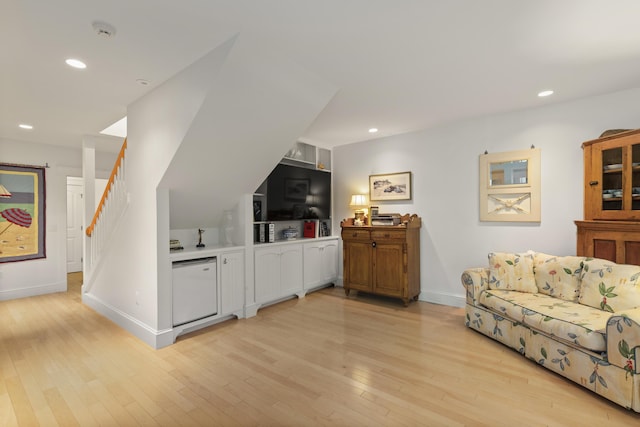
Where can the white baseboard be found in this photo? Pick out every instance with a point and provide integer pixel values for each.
(432, 297)
(33, 291)
(442, 299)
(154, 338)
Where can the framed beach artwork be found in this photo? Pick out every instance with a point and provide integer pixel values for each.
(391, 186)
(22, 212)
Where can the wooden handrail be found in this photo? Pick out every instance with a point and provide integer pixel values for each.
(107, 188)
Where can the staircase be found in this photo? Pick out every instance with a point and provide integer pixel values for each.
(112, 205)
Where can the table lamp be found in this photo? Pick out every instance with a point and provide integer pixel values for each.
(359, 203)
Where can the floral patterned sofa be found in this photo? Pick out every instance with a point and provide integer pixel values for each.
(577, 316)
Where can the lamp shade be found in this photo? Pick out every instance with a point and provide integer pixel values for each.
(358, 201)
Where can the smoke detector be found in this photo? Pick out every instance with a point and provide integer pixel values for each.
(103, 29)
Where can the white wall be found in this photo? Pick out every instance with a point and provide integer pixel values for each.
(196, 145)
(40, 276)
(124, 285)
(444, 162)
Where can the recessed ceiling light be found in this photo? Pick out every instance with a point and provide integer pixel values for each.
(373, 130)
(545, 93)
(76, 63)
(25, 126)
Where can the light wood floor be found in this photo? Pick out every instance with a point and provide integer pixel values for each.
(321, 360)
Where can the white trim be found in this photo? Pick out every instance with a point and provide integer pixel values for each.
(442, 298)
(154, 338)
(6, 295)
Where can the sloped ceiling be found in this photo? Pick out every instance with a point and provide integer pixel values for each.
(258, 104)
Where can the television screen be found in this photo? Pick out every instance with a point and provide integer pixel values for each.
(295, 193)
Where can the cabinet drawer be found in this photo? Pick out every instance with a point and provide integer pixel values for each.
(354, 234)
(388, 235)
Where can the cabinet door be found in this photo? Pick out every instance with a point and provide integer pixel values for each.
(291, 270)
(618, 242)
(267, 274)
(313, 274)
(613, 188)
(389, 268)
(232, 282)
(357, 265)
(320, 263)
(329, 259)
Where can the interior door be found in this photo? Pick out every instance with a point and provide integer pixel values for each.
(74, 224)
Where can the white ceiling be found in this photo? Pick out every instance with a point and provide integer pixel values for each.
(400, 65)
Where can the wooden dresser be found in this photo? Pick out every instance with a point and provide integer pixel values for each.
(611, 225)
(383, 260)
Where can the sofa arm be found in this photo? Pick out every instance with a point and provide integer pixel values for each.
(623, 340)
(475, 280)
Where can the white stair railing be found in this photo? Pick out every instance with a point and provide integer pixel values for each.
(112, 205)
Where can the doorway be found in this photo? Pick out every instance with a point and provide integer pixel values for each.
(75, 189)
(75, 215)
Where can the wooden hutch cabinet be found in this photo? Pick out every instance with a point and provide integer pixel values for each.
(383, 260)
(611, 226)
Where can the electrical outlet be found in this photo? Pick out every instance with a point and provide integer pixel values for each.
(138, 298)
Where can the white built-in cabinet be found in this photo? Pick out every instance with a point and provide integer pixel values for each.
(231, 266)
(320, 263)
(278, 272)
(229, 286)
(293, 268)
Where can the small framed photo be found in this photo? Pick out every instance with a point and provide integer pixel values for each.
(257, 210)
(391, 186)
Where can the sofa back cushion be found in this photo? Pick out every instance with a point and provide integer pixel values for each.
(609, 286)
(558, 276)
(512, 272)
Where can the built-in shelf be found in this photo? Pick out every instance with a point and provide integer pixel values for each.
(308, 156)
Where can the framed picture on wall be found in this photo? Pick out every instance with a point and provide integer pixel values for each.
(510, 186)
(391, 186)
(22, 212)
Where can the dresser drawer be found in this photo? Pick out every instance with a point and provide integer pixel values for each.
(388, 235)
(355, 234)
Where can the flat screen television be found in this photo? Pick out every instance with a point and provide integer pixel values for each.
(295, 193)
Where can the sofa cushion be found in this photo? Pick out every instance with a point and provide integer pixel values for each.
(558, 276)
(609, 286)
(568, 321)
(512, 271)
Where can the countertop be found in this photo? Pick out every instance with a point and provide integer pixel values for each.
(192, 252)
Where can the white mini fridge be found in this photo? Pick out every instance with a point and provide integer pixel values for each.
(195, 290)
